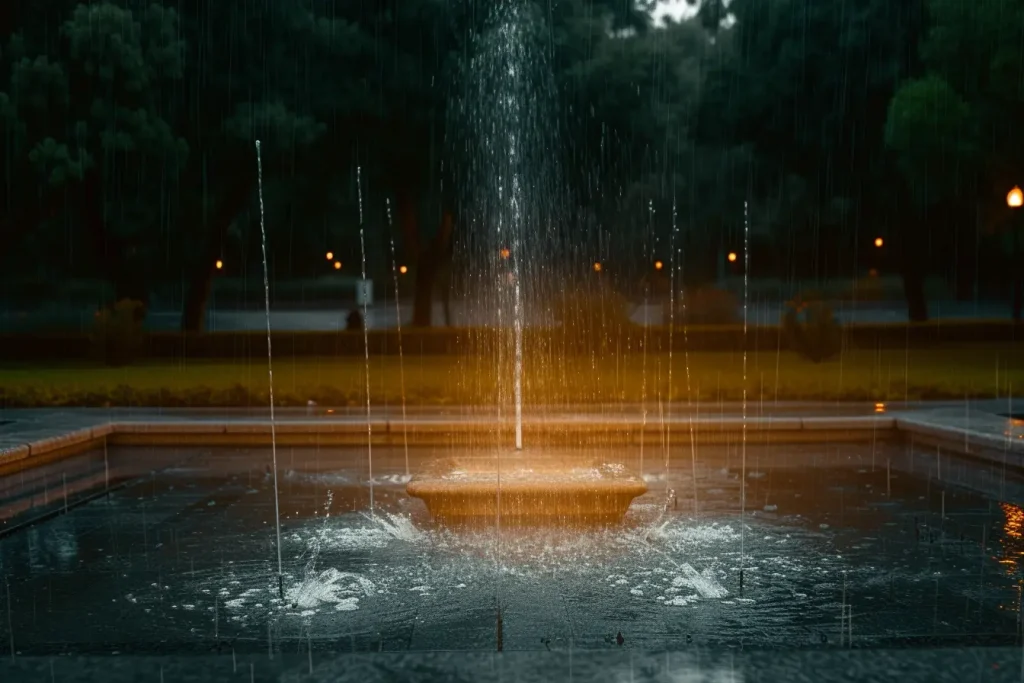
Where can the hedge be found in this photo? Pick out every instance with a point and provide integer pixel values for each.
(444, 341)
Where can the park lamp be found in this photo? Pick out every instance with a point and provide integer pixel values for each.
(219, 265)
(403, 270)
(1015, 198)
(658, 265)
(597, 266)
(337, 265)
(879, 242)
(330, 256)
(732, 257)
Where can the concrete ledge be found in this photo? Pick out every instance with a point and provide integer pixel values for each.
(59, 442)
(986, 434)
(868, 422)
(13, 453)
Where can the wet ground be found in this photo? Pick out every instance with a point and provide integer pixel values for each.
(835, 544)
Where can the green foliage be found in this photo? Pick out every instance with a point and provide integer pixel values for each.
(812, 330)
(931, 129)
(705, 306)
(118, 337)
(57, 163)
(598, 311)
(273, 123)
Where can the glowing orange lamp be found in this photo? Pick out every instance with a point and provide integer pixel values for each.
(1015, 198)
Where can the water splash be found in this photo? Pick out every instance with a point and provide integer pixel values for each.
(270, 367)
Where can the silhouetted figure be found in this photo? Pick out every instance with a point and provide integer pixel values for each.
(354, 321)
(619, 639)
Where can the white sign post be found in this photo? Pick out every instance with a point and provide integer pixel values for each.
(364, 292)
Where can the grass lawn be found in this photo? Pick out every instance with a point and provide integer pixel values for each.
(438, 380)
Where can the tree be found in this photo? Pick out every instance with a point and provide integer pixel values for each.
(88, 129)
(975, 81)
(808, 85)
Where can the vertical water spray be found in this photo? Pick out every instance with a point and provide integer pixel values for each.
(686, 364)
(401, 359)
(671, 337)
(366, 335)
(270, 367)
(746, 296)
(506, 173)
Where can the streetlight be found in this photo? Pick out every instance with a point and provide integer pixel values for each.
(879, 242)
(337, 265)
(1014, 200)
(658, 265)
(505, 253)
(732, 257)
(597, 266)
(330, 256)
(219, 265)
(403, 270)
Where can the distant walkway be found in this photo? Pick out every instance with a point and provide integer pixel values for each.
(384, 316)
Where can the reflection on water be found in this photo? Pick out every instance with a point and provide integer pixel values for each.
(55, 545)
(1012, 539)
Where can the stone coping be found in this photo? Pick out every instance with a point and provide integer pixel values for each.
(34, 433)
(824, 665)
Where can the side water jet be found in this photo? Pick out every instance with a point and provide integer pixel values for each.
(366, 336)
(401, 358)
(270, 369)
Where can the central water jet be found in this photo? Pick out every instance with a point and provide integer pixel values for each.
(516, 245)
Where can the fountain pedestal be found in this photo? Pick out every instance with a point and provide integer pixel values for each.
(526, 487)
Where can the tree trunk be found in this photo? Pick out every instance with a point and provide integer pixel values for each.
(423, 296)
(1015, 270)
(193, 315)
(427, 257)
(109, 250)
(913, 279)
(911, 269)
(965, 252)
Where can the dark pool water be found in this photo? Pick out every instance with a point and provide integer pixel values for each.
(837, 544)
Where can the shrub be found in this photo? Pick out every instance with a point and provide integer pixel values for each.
(705, 306)
(592, 311)
(812, 330)
(117, 337)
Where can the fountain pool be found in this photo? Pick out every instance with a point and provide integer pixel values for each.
(845, 544)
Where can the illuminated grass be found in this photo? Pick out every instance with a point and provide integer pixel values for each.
(440, 380)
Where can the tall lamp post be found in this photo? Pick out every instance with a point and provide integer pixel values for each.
(1015, 199)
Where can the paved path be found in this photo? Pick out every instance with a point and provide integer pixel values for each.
(385, 316)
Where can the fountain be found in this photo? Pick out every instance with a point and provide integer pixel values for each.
(533, 488)
(515, 213)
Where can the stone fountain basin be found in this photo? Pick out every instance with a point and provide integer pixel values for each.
(532, 487)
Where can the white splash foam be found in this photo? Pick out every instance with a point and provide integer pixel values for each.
(681, 600)
(398, 527)
(675, 532)
(330, 587)
(704, 583)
